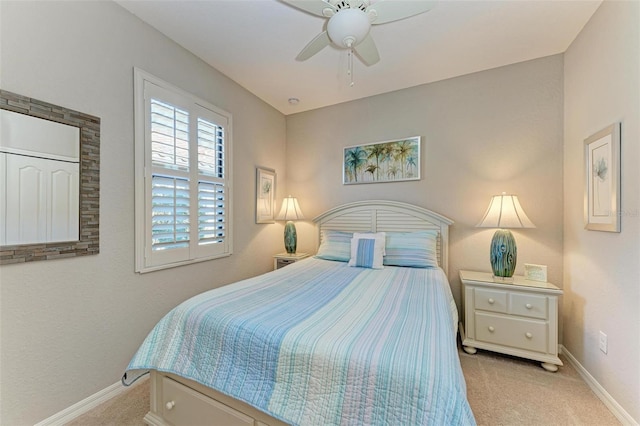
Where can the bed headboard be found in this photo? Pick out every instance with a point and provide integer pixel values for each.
(387, 216)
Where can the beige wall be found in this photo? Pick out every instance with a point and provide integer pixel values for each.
(601, 269)
(483, 133)
(69, 327)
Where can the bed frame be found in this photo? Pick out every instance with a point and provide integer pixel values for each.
(178, 401)
(387, 216)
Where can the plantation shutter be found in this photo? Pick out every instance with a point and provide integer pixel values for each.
(169, 212)
(212, 209)
(187, 190)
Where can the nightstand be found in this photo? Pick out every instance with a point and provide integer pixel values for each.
(514, 316)
(283, 259)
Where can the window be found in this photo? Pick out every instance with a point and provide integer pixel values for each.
(183, 179)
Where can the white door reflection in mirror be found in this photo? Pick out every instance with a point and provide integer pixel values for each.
(39, 166)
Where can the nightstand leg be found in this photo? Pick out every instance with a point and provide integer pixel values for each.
(469, 349)
(549, 367)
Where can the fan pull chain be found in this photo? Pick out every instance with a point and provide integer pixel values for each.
(350, 67)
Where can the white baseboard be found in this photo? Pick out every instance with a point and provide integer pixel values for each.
(87, 404)
(600, 392)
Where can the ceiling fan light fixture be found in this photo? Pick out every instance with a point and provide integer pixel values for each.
(348, 27)
(349, 24)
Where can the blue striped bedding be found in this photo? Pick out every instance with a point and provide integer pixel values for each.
(321, 343)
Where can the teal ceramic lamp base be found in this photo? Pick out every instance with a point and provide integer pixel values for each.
(290, 237)
(503, 254)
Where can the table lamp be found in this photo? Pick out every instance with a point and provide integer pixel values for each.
(504, 212)
(290, 211)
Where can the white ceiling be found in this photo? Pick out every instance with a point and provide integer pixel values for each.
(255, 42)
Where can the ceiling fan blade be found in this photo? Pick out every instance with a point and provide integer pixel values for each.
(317, 44)
(316, 7)
(367, 51)
(389, 11)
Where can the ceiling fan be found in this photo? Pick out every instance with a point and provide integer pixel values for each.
(350, 21)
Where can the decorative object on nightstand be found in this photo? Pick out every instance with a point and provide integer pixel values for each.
(518, 318)
(535, 272)
(290, 211)
(504, 212)
(283, 259)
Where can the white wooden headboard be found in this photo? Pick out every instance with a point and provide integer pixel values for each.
(387, 216)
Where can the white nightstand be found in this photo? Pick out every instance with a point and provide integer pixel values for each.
(516, 317)
(283, 259)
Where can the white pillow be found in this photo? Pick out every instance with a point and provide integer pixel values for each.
(367, 250)
(377, 235)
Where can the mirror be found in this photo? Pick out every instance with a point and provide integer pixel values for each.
(54, 153)
(39, 163)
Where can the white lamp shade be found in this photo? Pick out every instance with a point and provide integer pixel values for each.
(505, 211)
(290, 210)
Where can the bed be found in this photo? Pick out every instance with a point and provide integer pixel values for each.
(320, 342)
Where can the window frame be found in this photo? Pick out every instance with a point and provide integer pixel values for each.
(145, 260)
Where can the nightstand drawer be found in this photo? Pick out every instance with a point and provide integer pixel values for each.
(283, 259)
(528, 305)
(514, 332)
(490, 300)
(284, 262)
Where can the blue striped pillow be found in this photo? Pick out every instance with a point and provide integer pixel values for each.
(336, 245)
(367, 250)
(414, 249)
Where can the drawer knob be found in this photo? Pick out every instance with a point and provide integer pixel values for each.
(491, 301)
(170, 405)
(491, 329)
(528, 306)
(529, 335)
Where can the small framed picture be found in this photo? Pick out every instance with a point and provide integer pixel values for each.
(265, 195)
(535, 272)
(602, 180)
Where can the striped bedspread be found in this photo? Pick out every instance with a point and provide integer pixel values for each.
(321, 343)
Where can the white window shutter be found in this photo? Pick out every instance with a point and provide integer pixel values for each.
(186, 177)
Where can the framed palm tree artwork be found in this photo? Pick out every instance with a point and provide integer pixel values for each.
(265, 195)
(389, 161)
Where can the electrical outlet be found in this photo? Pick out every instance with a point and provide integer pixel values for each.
(603, 342)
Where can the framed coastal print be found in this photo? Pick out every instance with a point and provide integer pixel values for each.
(265, 195)
(602, 180)
(388, 161)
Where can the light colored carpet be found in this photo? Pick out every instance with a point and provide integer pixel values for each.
(127, 409)
(505, 390)
(502, 390)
